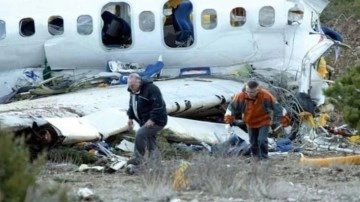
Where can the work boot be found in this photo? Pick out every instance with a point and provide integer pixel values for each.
(134, 161)
(130, 169)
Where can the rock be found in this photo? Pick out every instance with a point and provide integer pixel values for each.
(357, 50)
(357, 174)
(325, 171)
(291, 200)
(87, 195)
(343, 145)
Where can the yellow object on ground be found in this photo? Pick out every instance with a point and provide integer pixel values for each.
(322, 67)
(102, 85)
(323, 119)
(180, 181)
(355, 138)
(307, 116)
(325, 162)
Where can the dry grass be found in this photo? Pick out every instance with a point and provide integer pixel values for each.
(230, 177)
(156, 179)
(281, 178)
(48, 192)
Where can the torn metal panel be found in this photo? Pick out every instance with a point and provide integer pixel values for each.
(95, 126)
(90, 127)
(192, 131)
(108, 122)
(317, 5)
(308, 74)
(74, 129)
(126, 146)
(182, 96)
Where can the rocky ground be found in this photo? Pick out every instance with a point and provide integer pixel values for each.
(282, 178)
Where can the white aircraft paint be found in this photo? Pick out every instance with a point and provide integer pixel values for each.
(283, 46)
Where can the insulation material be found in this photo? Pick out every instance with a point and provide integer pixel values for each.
(325, 162)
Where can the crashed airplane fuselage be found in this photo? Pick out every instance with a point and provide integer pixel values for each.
(277, 35)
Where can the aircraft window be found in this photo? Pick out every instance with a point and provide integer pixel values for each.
(147, 21)
(209, 19)
(266, 16)
(178, 23)
(237, 17)
(27, 27)
(2, 30)
(84, 25)
(295, 15)
(116, 31)
(56, 25)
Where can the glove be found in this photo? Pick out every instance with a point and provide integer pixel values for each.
(229, 119)
(275, 127)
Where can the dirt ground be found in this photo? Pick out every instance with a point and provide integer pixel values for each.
(282, 178)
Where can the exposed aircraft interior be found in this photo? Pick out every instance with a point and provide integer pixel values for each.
(116, 31)
(178, 26)
(56, 25)
(27, 27)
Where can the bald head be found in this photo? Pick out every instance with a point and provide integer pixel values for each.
(134, 82)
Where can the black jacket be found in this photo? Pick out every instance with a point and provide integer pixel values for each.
(147, 104)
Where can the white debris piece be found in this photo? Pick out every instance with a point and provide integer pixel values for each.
(126, 146)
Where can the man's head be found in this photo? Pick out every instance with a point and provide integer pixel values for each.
(252, 89)
(134, 82)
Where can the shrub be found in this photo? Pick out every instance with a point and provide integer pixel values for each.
(17, 174)
(345, 95)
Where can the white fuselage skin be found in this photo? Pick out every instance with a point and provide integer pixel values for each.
(280, 46)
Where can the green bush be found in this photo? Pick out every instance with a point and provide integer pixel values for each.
(345, 95)
(17, 174)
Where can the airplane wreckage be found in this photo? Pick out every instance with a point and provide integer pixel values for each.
(205, 53)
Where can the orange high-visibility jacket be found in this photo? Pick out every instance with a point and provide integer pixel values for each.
(261, 111)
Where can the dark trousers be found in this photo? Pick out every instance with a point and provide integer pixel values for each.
(146, 139)
(259, 142)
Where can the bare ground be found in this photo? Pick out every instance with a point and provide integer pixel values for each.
(282, 178)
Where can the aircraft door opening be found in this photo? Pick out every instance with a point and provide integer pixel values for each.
(116, 29)
(178, 23)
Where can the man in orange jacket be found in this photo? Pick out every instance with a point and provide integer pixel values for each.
(259, 110)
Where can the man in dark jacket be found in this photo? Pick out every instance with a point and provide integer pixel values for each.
(147, 108)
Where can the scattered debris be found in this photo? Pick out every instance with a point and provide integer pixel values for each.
(85, 167)
(126, 146)
(325, 162)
